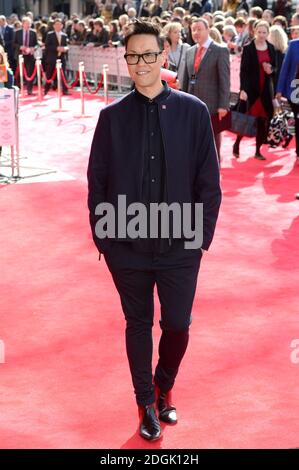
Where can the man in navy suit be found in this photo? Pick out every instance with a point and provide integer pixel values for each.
(154, 146)
(7, 36)
(25, 43)
(56, 47)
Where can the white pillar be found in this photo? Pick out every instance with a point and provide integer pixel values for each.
(44, 7)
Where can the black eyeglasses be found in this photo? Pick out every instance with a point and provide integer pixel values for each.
(148, 58)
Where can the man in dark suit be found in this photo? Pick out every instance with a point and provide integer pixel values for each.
(207, 72)
(56, 47)
(7, 36)
(25, 43)
(153, 147)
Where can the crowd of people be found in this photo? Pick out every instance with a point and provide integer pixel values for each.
(198, 37)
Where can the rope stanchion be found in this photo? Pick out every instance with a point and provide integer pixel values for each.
(105, 77)
(21, 69)
(58, 67)
(39, 84)
(81, 73)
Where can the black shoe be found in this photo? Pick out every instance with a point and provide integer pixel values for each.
(287, 141)
(259, 156)
(236, 150)
(149, 424)
(297, 196)
(167, 411)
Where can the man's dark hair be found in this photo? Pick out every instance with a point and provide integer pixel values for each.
(144, 27)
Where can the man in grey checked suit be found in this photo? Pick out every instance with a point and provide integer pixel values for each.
(207, 72)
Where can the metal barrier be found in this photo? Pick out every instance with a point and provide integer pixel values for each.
(9, 129)
(95, 57)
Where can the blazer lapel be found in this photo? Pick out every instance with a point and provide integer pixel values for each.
(205, 57)
(191, 59)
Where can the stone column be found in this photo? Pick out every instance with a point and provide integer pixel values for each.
(76, 7)
(44, 8)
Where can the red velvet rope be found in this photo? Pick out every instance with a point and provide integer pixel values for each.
(75, 83)
(50, 80)
(29, 79)
(88, 87)
(17, 71)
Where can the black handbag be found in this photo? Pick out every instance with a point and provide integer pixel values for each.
(242, 123)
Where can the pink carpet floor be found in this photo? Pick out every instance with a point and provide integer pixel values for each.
(65, 381)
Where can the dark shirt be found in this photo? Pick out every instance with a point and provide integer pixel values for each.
(154, 188)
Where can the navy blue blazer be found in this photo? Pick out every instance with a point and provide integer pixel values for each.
(51, 44)
(192, 169)
(8, 38)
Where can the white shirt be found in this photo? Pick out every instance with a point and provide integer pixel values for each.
(58, 35)
(206, 45)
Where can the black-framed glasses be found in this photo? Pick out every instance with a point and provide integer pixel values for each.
(148, 58)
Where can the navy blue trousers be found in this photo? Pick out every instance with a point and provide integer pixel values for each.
(135, 274)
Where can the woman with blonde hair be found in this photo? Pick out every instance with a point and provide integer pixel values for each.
(279, 39)
(216, 36)
(178, 49)
(231, 6)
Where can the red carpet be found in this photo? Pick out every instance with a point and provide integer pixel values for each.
(65, 380)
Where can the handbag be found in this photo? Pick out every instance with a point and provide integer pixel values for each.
(278, 133)
(242, 123)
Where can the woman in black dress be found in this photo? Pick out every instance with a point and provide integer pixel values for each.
(256, 83)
